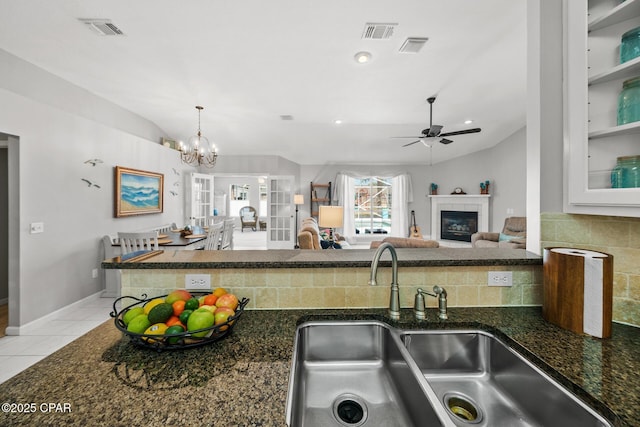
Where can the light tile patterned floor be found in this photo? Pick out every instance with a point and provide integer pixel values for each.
(43, 337)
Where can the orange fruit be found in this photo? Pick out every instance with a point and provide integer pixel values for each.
(174, 320)
(178, 307)
(219, 292)
(210, 299)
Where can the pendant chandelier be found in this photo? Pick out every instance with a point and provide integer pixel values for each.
(198, 150)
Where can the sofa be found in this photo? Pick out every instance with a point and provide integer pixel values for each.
(405, 242)
(309, 236)
(512, 236)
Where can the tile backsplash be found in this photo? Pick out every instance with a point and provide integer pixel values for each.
(617, 236)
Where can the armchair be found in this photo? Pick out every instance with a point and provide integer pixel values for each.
(248, 218)
(512, 236)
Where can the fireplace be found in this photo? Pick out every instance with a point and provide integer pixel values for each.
(458, 225)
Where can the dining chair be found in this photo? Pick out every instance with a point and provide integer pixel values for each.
(212, 243)
(131, 242)
(226, 241)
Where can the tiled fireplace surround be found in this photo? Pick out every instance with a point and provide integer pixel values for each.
(465, 203)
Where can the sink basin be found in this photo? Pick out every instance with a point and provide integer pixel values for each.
(367, 373)
(355, 374)
(482, 382)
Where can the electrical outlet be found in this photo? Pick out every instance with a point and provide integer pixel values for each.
(36, 227)
(500, 278)
(197, 281)
(94, 273)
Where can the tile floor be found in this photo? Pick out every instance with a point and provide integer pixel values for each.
(43, 337)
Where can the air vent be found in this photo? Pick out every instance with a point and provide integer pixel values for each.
(413, 44)
(286, 117)
(103, 27)
(374, 31)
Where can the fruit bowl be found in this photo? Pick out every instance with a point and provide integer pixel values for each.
(178, 341)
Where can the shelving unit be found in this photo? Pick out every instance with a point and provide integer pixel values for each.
(320, 194)
(594, 78)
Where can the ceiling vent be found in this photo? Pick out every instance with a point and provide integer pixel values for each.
(102, 27)
(413, 44)
(286, 117)
(374, 31)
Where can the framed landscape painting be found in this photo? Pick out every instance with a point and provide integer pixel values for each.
(137, 192)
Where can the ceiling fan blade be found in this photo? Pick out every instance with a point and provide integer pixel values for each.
(394, 137)
(460, 132)
(411, 143)
(445, 141)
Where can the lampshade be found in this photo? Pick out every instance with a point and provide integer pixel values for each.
(330, 216)
(298, 199)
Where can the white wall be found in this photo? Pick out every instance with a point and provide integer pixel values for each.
(55, 267)
(504, 165)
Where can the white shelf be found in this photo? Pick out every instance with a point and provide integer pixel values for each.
(622, 12)
(623, 71)
(628, 129)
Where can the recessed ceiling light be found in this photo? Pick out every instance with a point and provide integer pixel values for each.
(337, 121)
(468, 122)
(362, 57)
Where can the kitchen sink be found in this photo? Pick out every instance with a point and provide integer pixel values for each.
(355, 374)
(367, 373)
(482, 382)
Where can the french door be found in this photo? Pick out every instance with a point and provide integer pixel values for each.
(280, 208)
(199, 200)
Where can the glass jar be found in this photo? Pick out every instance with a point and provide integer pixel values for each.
(630, 45)
(626, 173)
(629, 102)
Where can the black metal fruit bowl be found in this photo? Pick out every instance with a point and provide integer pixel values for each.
(187, 339)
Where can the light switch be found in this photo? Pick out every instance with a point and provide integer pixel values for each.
(36, 227)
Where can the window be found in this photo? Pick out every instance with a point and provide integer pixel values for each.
(372, 205)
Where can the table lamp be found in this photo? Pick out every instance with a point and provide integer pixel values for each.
(298, 199)
(331, 217)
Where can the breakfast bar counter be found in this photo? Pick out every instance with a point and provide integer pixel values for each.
(102, 379)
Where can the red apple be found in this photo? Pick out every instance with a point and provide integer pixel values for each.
(227, 300)
(221, 315)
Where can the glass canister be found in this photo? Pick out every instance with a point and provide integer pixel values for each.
(629, 102)
(626, 173)
(630, 45)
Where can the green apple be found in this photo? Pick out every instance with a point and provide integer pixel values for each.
(200, 319)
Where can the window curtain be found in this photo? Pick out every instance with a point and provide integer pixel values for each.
(401, 196)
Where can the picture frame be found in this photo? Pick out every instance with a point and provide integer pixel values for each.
(137, 192)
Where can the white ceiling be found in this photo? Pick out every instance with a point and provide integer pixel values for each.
(250, 61)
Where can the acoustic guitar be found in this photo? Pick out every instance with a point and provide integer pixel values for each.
(414, 230)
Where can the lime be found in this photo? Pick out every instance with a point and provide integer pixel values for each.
(139, 324)
(184, 316)
(130, 314)
(174, 330)
(192, 304)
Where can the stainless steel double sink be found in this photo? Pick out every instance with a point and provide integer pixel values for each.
(367, 373)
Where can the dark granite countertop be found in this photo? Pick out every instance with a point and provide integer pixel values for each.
(242, 380)
(285, 258)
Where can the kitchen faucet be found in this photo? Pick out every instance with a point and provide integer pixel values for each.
(394, 298)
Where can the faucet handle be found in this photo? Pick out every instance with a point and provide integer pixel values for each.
(419, 305)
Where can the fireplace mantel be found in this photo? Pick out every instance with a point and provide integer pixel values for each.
(459, 202)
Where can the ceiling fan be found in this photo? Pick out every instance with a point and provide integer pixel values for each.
(433, 131)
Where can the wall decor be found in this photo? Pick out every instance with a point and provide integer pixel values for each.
(137, 192)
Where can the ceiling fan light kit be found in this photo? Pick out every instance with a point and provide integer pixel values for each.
(198, 150)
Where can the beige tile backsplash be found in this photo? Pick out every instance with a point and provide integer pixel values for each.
(348, 287)
(617, 236)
